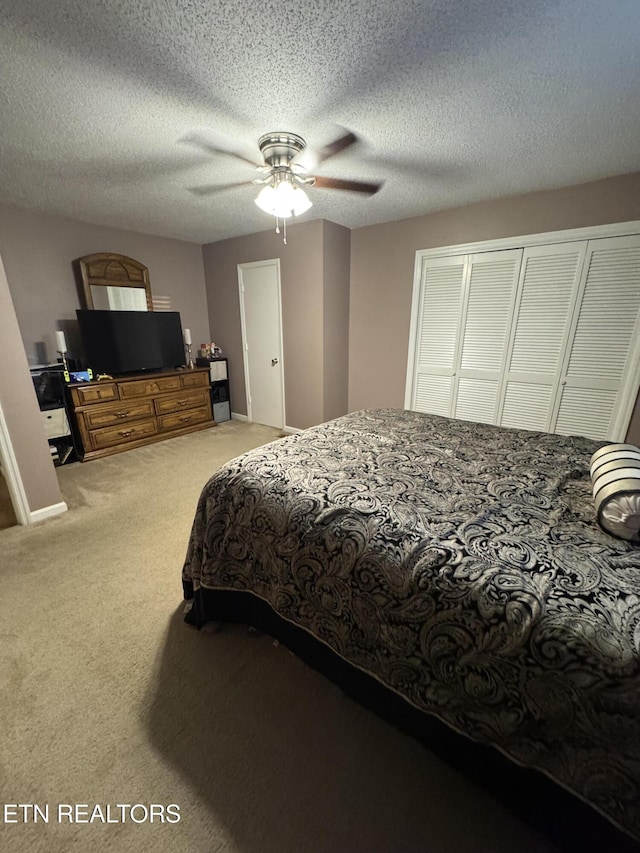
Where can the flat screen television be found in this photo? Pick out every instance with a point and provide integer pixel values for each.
(119, 342)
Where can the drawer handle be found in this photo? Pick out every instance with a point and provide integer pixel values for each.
(182, 402)
(121, 414)
(186, 418)
(125, 432)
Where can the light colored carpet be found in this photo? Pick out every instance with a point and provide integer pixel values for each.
(109, 698)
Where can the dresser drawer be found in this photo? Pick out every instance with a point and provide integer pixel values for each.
(178, 402)
(149, 387)
(195, 380)
(110, 436)
(136, 410)
(103, 416)
(95, 393)
(182, 419)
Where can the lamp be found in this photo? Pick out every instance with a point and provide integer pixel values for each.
(61, 346)
(187, 342)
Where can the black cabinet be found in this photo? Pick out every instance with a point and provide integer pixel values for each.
(49, 385)
(219, 377)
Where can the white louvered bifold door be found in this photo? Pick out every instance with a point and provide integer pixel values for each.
(489, 294)
(549, 281)
(601, 361)
(437, 334)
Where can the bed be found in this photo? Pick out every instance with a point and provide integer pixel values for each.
(445, 570)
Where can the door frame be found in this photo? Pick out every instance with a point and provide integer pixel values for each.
(272, 262)
(11, 473)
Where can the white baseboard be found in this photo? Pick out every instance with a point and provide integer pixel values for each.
(289, 429)
(47, 512)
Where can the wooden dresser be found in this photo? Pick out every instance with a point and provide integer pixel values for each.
(117, 414)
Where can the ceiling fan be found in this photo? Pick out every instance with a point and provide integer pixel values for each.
(284, 176)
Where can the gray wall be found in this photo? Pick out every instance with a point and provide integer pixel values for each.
(39, 295)
(319, 322)
(336, 251)
(382, 265)
(38, 251)
(21, 412)
(306, 309)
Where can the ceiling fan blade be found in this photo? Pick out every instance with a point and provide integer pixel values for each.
(353, 186)
(213, 146)
(216, 188)
(336, 146)
(310, 158)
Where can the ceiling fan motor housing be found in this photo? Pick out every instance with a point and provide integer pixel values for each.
(279, 148)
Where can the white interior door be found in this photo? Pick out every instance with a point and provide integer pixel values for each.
(261, 319)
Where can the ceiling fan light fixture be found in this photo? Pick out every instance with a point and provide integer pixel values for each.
(266, 199)
(301, 201)
(283, 200)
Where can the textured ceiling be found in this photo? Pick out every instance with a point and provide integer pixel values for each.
(454, 101)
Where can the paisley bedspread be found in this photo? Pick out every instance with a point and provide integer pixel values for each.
(461, 565)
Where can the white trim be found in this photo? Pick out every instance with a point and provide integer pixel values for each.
(48, 512)
(413, 330)
(620, 426)
(289, 429)
(593, 232)
(243, 336)
(11, 473)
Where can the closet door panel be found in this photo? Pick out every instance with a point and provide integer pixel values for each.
(549, 282)
(585, 411)
(476, 400)
(550, 275)
(601, 358)
(492, 281)
(527, 405)
(487, 310)
(437, 334)
(608, 311)
(433, 394)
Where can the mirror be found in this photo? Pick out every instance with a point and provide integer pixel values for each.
(114, 282)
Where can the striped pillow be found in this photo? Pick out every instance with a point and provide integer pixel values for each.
(615, 475)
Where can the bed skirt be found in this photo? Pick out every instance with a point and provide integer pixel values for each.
(549, 809)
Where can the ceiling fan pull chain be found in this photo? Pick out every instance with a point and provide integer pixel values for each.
(277, 226)
(284, 226)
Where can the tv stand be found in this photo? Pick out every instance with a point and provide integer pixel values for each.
(113, 415)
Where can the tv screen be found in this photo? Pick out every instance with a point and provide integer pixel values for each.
(117, 342)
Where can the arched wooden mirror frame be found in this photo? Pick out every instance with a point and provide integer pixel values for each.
(107, 269)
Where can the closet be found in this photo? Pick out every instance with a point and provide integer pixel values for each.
(543, 337)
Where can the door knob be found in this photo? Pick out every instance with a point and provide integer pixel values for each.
(274, 361)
